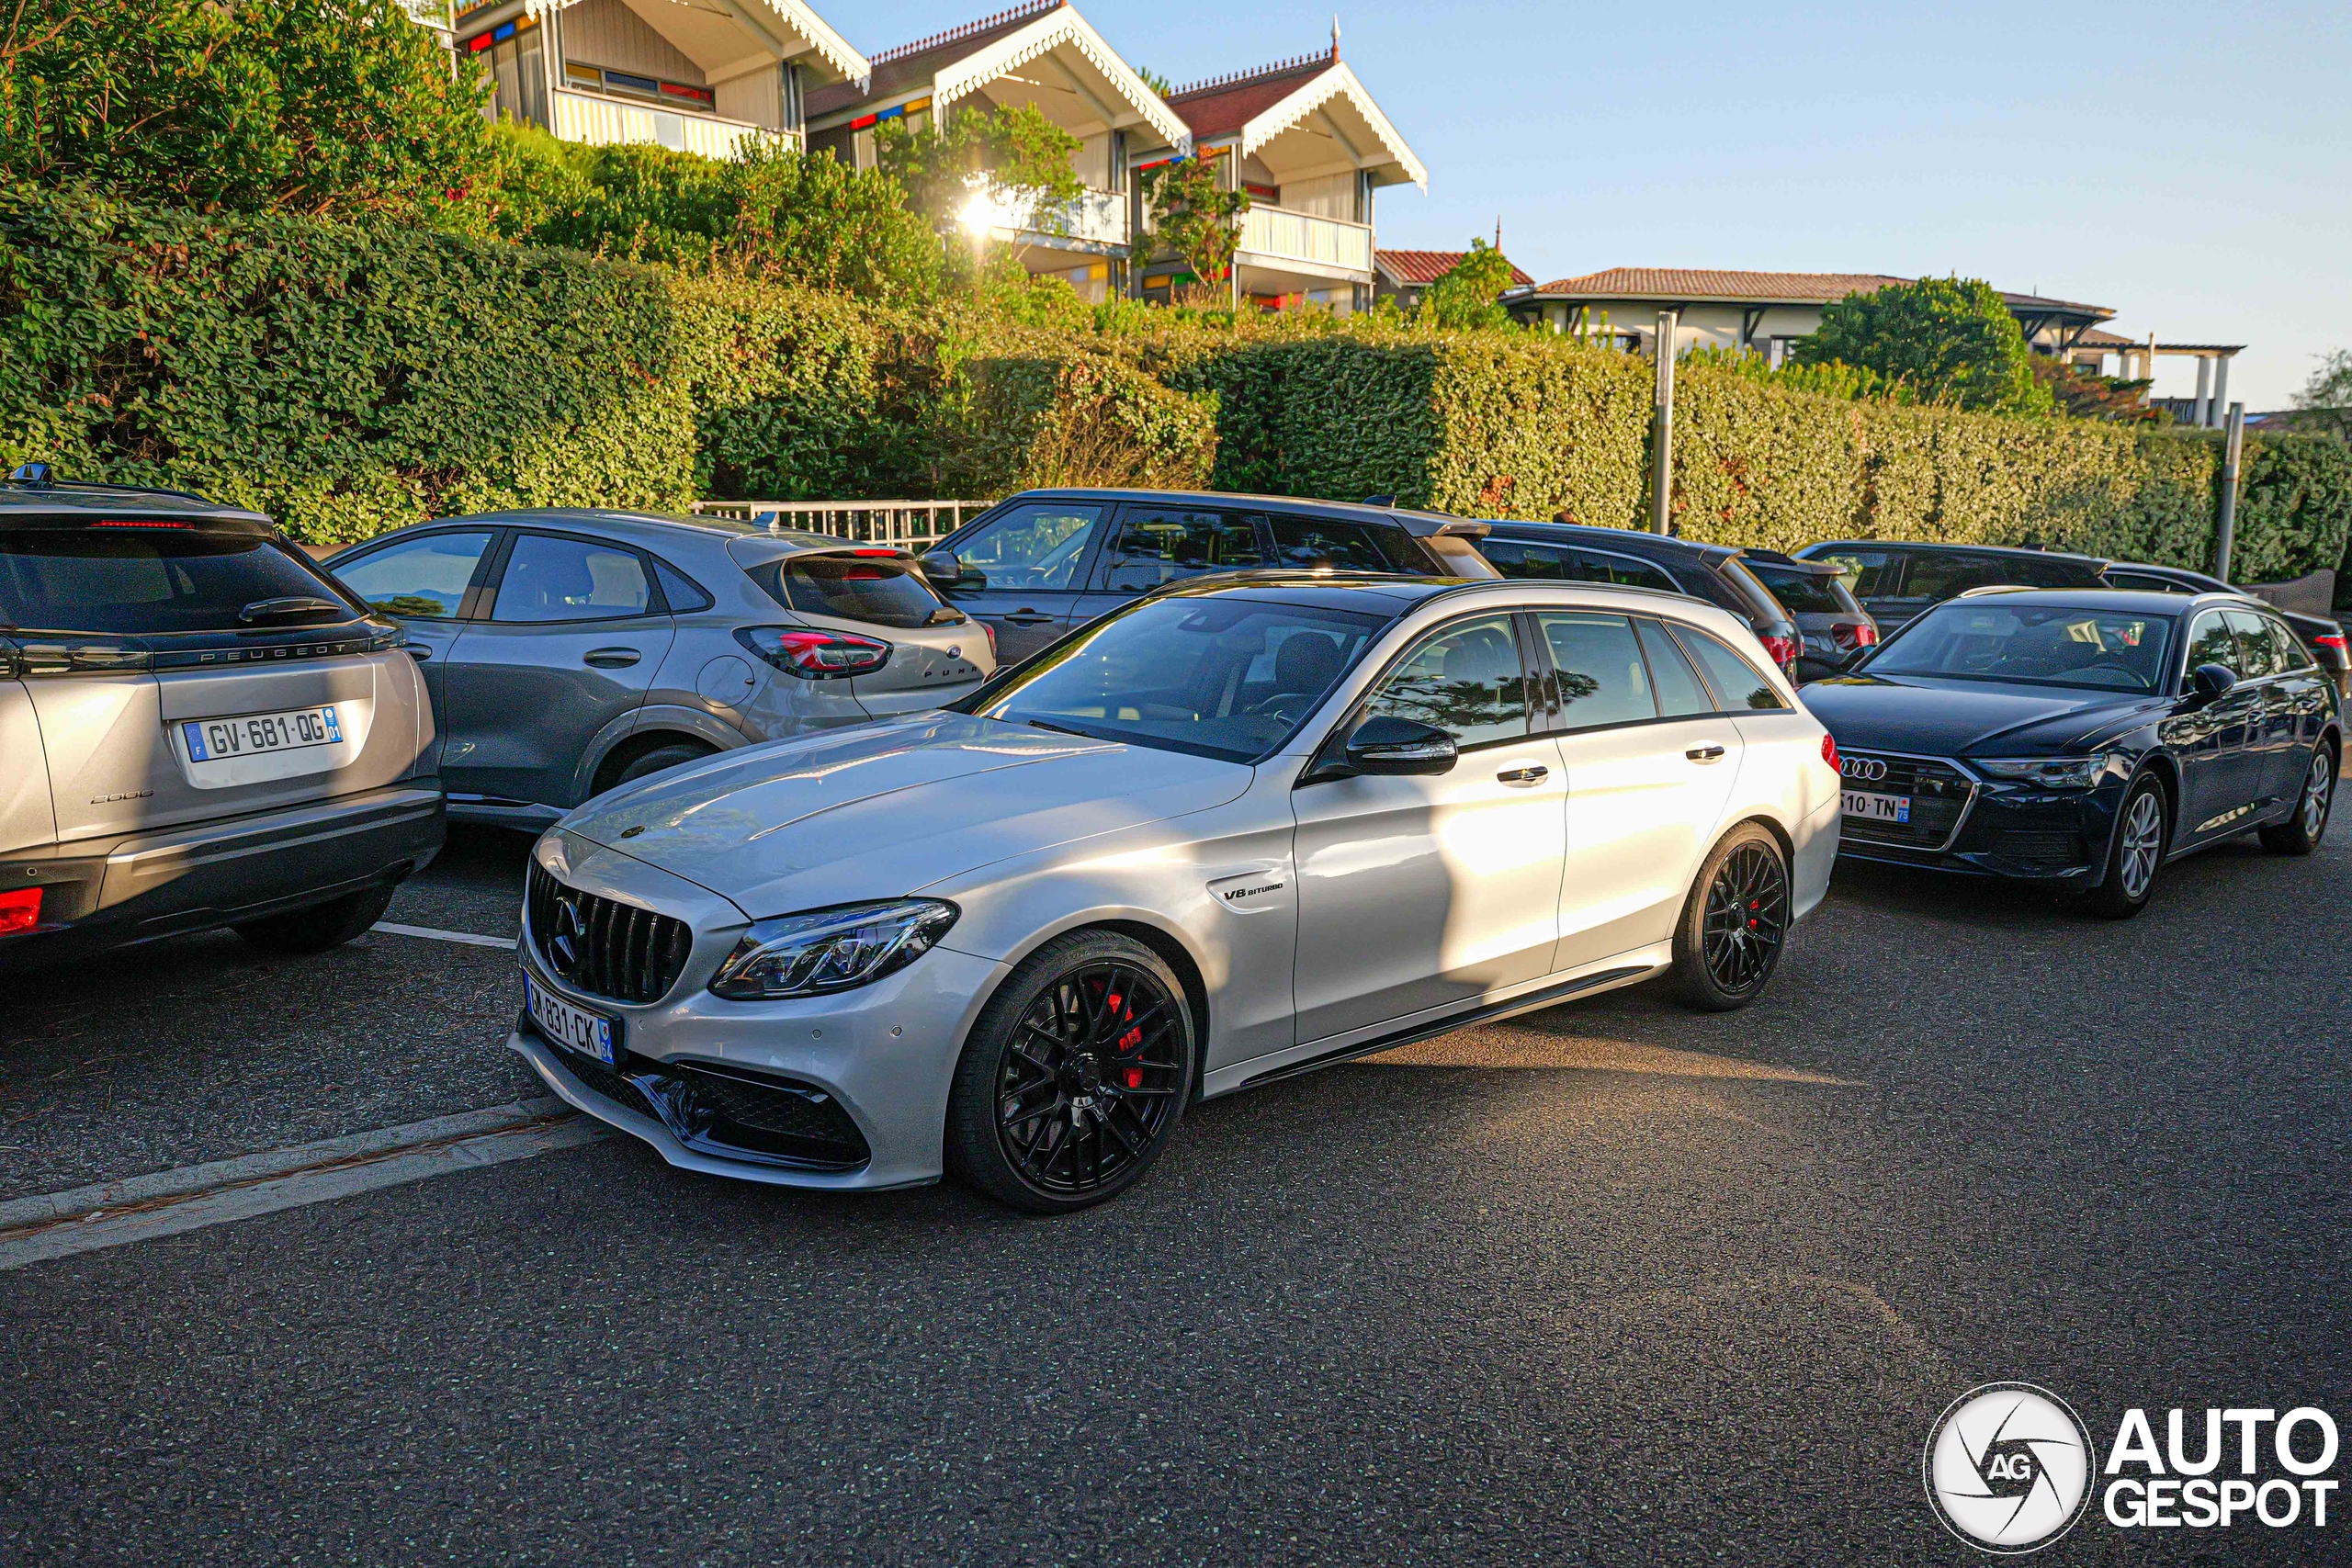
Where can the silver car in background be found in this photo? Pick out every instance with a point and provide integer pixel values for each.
(198, 728)
(1232, 832)
(569, 650)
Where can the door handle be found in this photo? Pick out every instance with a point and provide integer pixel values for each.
(611, 658)
(1027, 618)
(1706, 753)
(1534, 772)
(418, 653)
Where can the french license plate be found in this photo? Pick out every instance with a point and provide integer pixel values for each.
(250, 735)
(574, 1029)
(1878, 807)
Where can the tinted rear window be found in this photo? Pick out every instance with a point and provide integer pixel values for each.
(1802, 592)
(882, 591)
(135, 580)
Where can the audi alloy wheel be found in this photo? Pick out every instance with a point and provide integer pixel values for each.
(2144, 829)
(2299, 834)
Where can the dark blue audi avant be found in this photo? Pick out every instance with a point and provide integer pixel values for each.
(2082, 737)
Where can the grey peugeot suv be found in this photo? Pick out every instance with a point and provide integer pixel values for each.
(198, 728)
(569, 650)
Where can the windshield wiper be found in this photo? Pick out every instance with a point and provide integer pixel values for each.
(298, 605)
(1060, 728)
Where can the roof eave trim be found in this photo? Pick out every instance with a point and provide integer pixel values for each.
(1337, 82)
(1049, 31)
(830, 45)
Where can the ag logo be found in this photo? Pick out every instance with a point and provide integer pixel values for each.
(1870, 770)
(2009, 1467)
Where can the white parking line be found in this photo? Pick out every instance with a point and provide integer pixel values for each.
(436, 934)
(59, 1224)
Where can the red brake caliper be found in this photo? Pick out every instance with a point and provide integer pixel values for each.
(1129, 1042)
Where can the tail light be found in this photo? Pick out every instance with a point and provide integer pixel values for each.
(1829, 754)
(814, 655)
(1853, 635)
(991, 636)
(2329, 640)
(1782, 650)
(19, 910)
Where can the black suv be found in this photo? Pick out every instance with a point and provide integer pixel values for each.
(1896, 581)
(1038, 563)
(1835, 627)
(1573, 552)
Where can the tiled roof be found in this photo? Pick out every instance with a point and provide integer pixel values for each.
(1414, 269)
(1702, 283)
(910, 65)
(1223, 105)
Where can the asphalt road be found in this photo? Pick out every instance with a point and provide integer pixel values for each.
(1612, 1283)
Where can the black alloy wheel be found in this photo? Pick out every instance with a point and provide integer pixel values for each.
(2299, 834)
(1735, 924)
(1076, 1074)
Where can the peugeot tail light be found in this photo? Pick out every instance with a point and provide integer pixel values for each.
(814, 655)
(19, 910)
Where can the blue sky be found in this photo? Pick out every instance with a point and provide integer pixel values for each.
(2188, 165)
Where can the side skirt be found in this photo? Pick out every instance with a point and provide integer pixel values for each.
(1531, 1001)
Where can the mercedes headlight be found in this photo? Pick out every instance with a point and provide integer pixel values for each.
(832, 950)
(2056, 773)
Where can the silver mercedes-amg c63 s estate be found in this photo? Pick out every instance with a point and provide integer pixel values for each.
(1228, 834)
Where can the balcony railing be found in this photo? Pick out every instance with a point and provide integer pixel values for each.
(914, 524)
(1095, 217)
(602, 122)
(1277, 234)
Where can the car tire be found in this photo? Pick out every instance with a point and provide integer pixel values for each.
(1067, 1091)
(2135, 854)
(320, 926)
(2300, 834)
(659, 760)
(1735, 923)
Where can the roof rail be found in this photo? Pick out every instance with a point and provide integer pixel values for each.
(40, 477)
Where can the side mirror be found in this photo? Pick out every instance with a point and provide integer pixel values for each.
(1386, 745)
(941, 566)
(2211, 682)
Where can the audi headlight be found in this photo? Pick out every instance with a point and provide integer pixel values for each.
(2056, 773)
(832, 950)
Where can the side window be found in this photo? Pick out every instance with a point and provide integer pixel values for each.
(1036, 545)
(1517, 559)
(1603, 677)
(2211, 641)
(1679, 691)
(1869, 574)
(1158, 543)
(551, 578)
(2140, 582)
(1467, 679)
(2286, 646)
(2258, 657)
(1323, 542)
(684, 594)
(2054, 572)
(1738, 687)
(422, 578)
(1943, 575)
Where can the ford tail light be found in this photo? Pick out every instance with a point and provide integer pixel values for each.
(813, 655)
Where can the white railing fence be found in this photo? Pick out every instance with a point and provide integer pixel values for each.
(1301, 236)
(914, 524)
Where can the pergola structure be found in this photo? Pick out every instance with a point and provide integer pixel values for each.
(2136, 361)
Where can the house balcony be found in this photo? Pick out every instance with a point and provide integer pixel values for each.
(1094, 223)
(600, 121)
(1277, 240)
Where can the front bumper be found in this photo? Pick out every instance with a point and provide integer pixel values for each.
(2017, 830)
(884, 1054)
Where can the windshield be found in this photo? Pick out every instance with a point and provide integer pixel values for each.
(2049, 645)
(1222, 677)
(129, 578)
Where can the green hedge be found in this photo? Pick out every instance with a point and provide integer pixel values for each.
(352, 379)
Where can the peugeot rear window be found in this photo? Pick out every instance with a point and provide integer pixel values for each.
(128, 579)
(882, 591)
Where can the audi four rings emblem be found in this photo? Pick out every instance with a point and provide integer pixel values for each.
(1870, 770)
